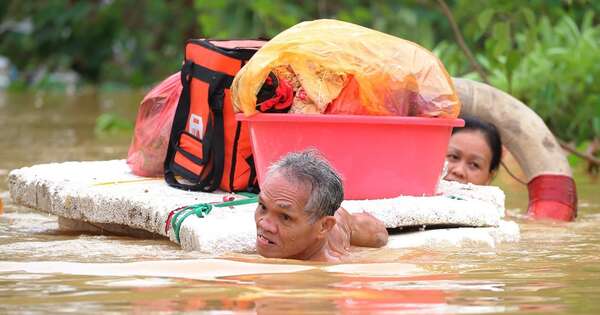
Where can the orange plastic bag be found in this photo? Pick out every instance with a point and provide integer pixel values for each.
(153, 127)
(342, 68)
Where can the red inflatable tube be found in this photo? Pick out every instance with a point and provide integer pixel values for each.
(552, 197)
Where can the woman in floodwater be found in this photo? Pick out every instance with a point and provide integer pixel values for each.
(474, 152)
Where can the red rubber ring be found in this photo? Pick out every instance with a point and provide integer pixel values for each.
(552, 197)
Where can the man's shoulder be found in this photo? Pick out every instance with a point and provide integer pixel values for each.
(343, 217)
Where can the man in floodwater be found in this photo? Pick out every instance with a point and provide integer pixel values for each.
(299, 215)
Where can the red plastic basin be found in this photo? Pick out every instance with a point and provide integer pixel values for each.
(377, 156)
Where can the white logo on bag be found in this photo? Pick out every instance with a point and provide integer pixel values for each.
(195, 125)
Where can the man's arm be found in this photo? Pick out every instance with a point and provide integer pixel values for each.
(366, 230)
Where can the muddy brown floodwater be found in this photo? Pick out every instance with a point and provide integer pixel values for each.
(554, 269)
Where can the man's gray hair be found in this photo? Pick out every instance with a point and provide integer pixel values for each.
(309, 167)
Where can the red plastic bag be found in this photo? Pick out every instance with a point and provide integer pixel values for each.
(153, 128)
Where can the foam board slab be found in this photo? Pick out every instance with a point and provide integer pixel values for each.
(106, 195)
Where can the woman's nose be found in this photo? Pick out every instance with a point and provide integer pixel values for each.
(457, 171)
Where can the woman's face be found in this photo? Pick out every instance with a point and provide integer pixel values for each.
(469, 157)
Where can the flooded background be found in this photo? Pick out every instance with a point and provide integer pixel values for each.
(554, 269)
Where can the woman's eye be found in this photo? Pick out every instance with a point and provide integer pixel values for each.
(452, 157)
(474, 165)
(285, 217)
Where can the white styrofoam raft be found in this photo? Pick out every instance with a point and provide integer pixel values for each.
(106, 192)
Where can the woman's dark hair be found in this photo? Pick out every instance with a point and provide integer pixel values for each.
(491, 134)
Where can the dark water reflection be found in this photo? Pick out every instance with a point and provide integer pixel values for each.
(554, 269)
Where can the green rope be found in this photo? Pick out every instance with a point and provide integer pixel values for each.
(203, 209)
(200, 210)
(250, 199)
(247, 194)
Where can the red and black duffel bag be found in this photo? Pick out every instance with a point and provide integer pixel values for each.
(208, 148)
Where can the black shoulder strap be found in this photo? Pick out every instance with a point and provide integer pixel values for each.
(179, 123)
(213, 145)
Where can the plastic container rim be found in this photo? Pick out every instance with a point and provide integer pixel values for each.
(357, 119)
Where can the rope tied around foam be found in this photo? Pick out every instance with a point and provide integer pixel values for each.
(178, 215)
(200, 210)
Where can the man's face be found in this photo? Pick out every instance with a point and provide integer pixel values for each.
(283, 229)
